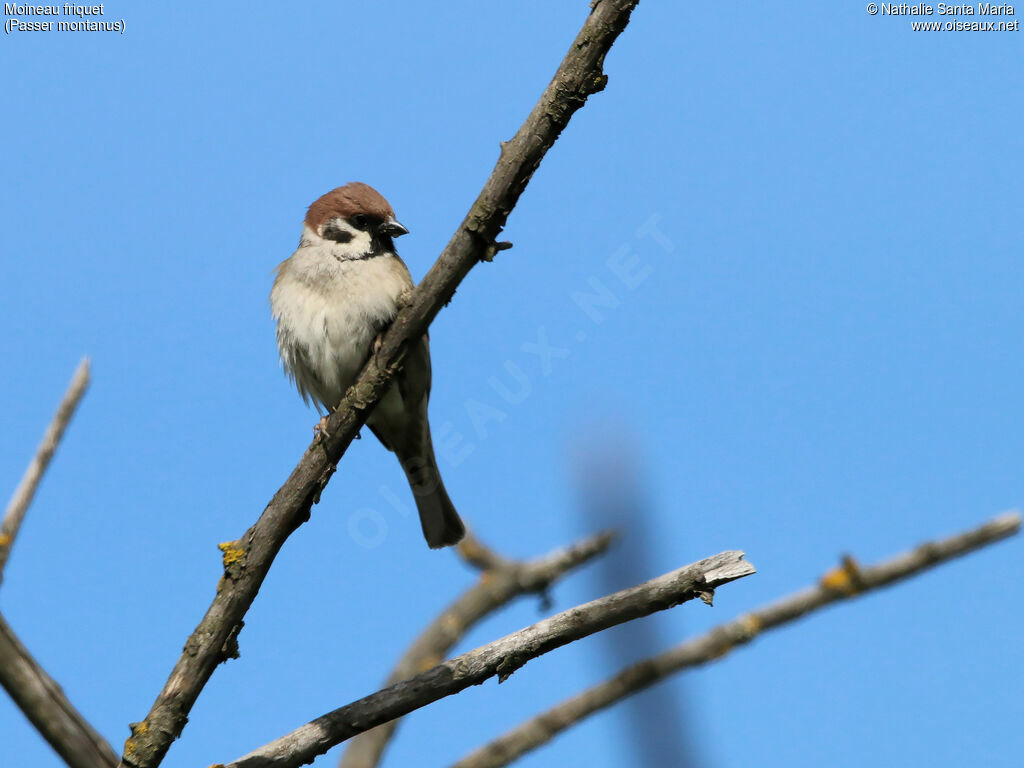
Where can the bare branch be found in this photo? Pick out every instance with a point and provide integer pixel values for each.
(34, 692)
(47, 708)
(248, 560)
(502, 658)
(501, 582)
(26, 489)
(477, 554)
(849, 580)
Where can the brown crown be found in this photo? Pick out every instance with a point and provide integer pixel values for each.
(355, 197)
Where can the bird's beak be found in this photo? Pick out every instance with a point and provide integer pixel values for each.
(393, 228)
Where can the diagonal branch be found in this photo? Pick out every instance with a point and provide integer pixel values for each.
(248, 560)
(34, 692)
(501, 582)
(477, 554)
(502, 658)
(26, 489)
(44, 704)
(844, 582)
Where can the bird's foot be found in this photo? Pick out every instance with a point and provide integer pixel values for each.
(320, 430)
(377, 345)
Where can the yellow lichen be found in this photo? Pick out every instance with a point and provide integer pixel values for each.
(232, 552)
(137, 730)
(845, 579)
(751, 624)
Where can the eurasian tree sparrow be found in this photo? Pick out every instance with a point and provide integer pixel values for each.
(331, 300)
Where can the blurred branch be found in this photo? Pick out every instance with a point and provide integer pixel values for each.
(502, 658)
(500, 582)
(34, 692)
(26, 489)
(247, 561)
(44, 704)
(479, 555)
(612, 493)
(848, 580)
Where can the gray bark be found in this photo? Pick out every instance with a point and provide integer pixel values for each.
(849, 580)
(502, 658)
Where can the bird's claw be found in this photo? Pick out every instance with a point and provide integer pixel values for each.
(377, 345)
(320, 430)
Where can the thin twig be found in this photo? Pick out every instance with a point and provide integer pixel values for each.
(44, 704)
(477, 554)
(247, 560)
(502, 658)
(501, 582)
(26, 489)
(848, 580)
(34, 692)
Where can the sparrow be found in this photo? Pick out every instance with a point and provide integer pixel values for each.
(331, 300)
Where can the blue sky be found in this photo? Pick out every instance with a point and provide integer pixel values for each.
(824, 355)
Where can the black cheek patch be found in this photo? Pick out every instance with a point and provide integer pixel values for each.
(337, 234)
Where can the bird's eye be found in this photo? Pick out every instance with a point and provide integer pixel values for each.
(360, 220)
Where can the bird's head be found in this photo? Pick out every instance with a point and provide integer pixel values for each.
(356, 220)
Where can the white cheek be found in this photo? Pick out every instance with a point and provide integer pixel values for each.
(360, 244)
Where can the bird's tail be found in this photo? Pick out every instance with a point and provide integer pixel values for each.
(441, 523)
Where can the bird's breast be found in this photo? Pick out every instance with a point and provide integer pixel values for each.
(329, 313)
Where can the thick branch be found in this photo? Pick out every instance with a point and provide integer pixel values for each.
(849, 580)
(500, 582)
(26, 489)
(48, 709)
(502, 658)
(248, 560)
